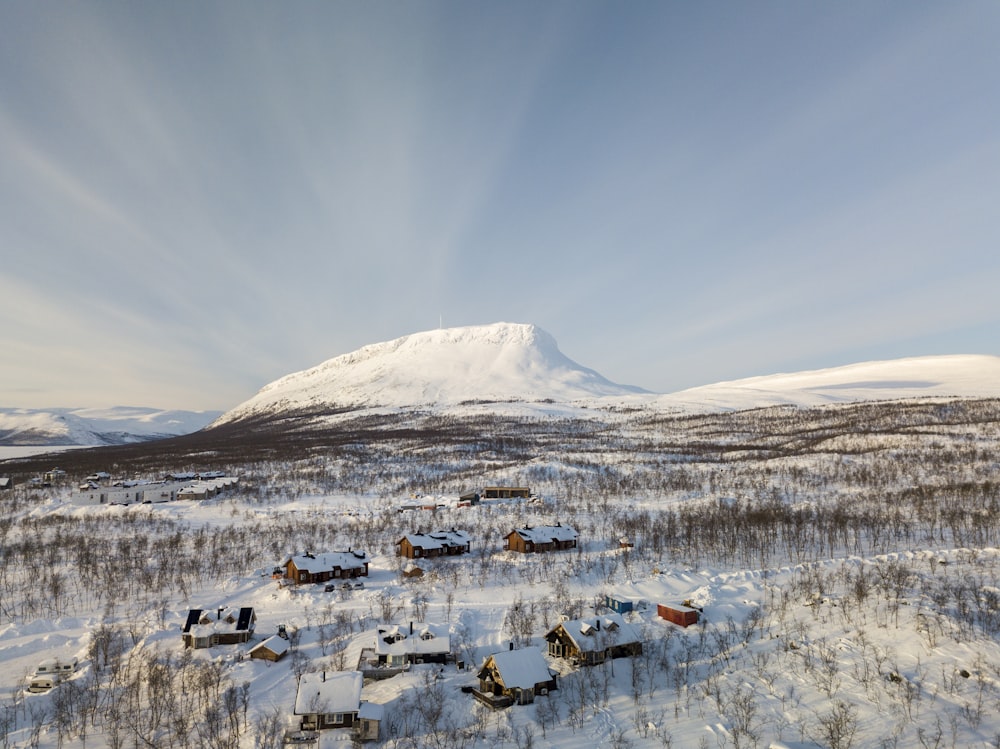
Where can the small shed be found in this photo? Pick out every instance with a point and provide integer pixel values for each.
(369, 721)
(412, 570)
(618, 604)
(6, 482)
(272, 649)
(679, 614)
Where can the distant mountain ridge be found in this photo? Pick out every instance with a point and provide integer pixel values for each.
(511, 368)
(94, 427)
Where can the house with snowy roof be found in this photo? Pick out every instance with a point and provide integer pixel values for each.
(438, 544)
(594, 639)
(317, 568)
(205, 628)
(514, 676)
(328, 700)
(541, 538)
(398, 645)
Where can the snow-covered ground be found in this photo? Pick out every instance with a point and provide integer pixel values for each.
(849, 651)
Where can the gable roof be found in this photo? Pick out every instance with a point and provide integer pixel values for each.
(598, 632)
(200, 621)
(331, 560)
(438, 539)
(521, 668)
(276, 644)
(328, 693)
(546, 533)
(425, 639)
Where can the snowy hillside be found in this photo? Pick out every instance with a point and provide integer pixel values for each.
(503, 361)
(967, 376)
(844, 559)
(459, 368)
(89, 426)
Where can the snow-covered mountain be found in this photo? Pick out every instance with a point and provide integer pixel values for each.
(446, 367)
(90, 426)
(459, 368)
(514, 367)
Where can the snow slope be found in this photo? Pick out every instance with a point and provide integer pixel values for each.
(455, 368)
(502, 361)
(90, 426)
(966, 376)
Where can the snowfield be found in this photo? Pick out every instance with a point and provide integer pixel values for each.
(839, 532)
(855, 650)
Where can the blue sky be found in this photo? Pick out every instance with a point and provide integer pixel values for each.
(197, 198)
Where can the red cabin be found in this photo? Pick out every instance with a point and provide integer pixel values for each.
(683, 616)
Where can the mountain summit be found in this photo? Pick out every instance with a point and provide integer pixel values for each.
(498, 362)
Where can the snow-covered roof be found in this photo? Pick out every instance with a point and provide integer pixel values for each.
(521, 668)
(203, 622)
(438, 539)
(274, 643)
(329, 693)
(425, 638)
(330, 560)
(546, 533)
(585, 633)
(371, 711)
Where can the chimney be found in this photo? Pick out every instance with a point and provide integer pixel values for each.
(218, 614)
(512, 645)
(598, 624)
(411, 628)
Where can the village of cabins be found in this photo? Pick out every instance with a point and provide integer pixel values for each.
(336, 700)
